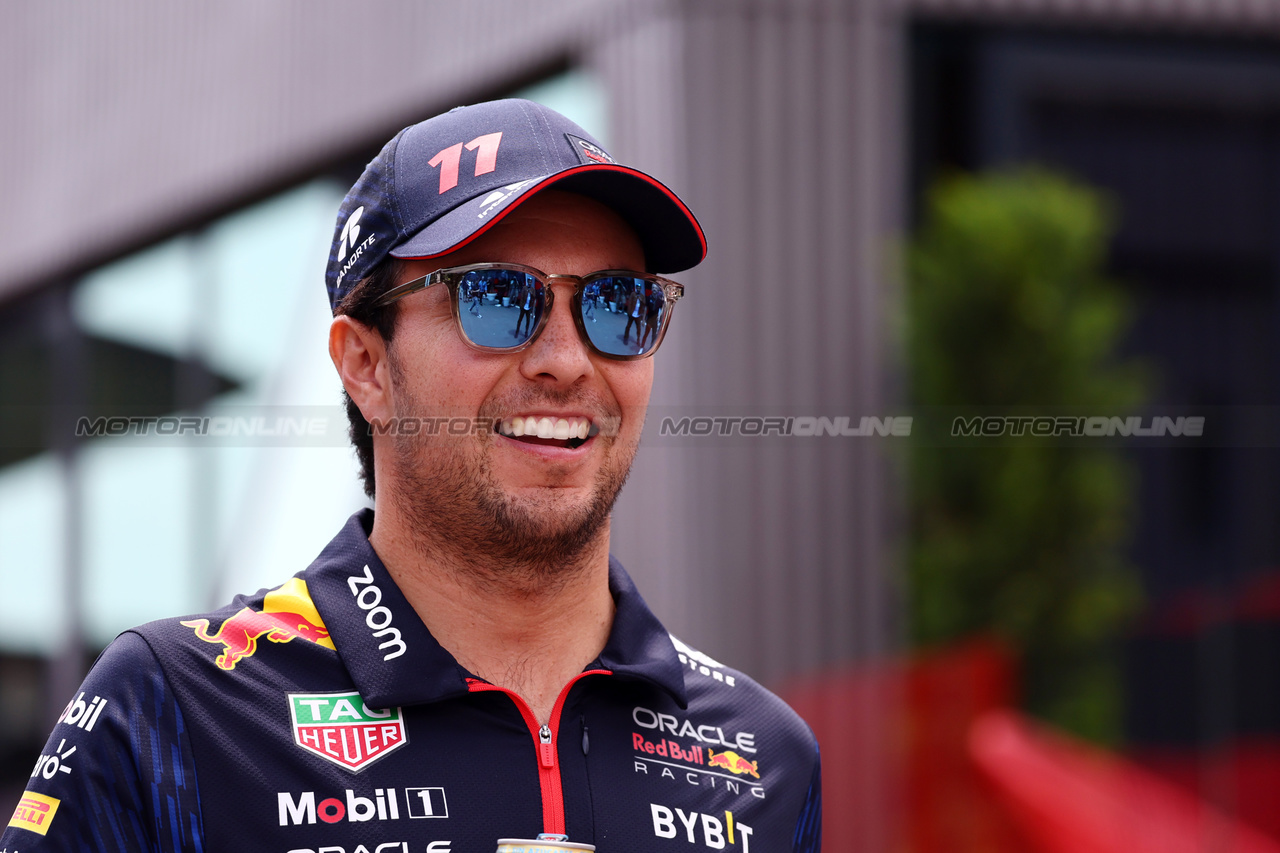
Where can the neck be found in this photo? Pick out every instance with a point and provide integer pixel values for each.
(527, 628)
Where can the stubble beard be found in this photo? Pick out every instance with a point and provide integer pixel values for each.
(459, 514)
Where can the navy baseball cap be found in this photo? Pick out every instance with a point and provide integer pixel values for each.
(443, 182)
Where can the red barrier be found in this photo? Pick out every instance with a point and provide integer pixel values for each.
(896, 771)
(1242, 777)
(1068, 797)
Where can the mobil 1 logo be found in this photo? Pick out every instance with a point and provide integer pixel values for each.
(81, 714)
(306, 807)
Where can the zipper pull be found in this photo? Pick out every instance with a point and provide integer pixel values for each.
(546, 749)
(586, 742)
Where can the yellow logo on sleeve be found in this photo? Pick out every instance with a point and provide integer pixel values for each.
(34, 812)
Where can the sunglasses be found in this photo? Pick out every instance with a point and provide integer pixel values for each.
(503, 308)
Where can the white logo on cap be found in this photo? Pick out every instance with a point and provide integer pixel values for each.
(497, 197)
(350, 232)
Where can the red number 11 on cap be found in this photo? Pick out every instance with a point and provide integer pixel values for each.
(448, 159)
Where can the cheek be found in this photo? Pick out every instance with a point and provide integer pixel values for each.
(631, 384)
(440, 373)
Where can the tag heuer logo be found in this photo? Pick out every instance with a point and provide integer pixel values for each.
(339, 728)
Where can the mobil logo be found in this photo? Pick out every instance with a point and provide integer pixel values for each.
(77, 713)
(383, 804)
(287, 614)
(341, 729)
(304, 808)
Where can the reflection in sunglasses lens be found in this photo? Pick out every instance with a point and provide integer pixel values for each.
(499, 308)
(622, 314)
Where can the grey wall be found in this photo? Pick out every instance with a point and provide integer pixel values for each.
(780, 123)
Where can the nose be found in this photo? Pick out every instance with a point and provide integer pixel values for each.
(558, 357)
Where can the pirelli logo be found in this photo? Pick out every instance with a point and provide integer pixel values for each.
(34, 812)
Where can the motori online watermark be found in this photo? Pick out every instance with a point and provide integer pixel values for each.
(460, 426)
(666, 426)
(309, 425)
(779, 425)
(1076, 426)
(213, 426)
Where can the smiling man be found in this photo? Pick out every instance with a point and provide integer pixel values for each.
(464, 664)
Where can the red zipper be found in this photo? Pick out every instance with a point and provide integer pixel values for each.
(544, 744)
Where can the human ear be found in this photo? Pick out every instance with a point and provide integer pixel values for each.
(359, 355)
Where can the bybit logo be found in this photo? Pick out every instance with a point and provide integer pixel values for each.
(716, 833)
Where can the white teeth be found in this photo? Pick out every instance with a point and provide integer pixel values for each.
(560, 429)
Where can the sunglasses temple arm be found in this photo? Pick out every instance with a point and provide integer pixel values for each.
(402, 290)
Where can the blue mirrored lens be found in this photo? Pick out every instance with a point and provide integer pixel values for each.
(623, 315)
(500, 308)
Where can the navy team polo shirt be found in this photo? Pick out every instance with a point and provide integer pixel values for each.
(323, 717)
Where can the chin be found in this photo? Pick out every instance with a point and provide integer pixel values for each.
(553, 510)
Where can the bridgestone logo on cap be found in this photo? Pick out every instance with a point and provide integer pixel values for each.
(340, 728)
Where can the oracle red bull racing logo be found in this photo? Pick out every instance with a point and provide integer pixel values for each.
(287, 614)
(341, 729)
(697, 763)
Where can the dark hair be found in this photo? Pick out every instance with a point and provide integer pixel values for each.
(359, 305)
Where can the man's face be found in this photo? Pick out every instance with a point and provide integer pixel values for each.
(528, 499)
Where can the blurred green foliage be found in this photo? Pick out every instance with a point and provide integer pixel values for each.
(1008, 312)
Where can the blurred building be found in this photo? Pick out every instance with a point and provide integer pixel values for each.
(171, 175)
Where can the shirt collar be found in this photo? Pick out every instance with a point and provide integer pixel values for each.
(392, 657)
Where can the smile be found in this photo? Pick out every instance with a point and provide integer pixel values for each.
(547, 430)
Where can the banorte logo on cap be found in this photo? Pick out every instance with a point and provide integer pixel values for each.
(350, 232)
(348, 239)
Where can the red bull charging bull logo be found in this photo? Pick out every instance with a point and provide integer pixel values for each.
(734, 763)
(287, 613)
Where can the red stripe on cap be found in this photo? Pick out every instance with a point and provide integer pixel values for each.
(576, 170)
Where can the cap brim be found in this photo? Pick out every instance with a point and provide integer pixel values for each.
(668, 231)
